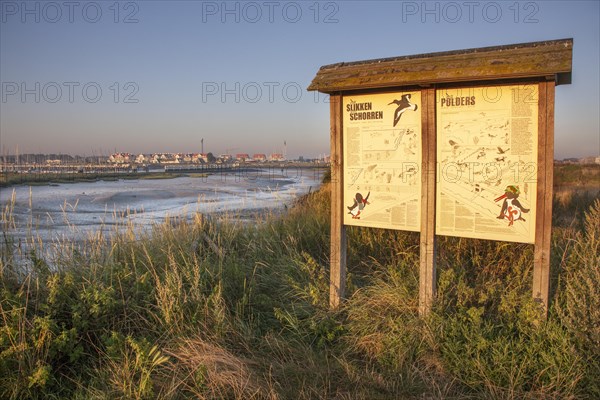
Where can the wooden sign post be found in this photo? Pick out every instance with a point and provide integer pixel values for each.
(338, 230)
(457, 143)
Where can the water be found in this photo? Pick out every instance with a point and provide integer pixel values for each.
(73, 211)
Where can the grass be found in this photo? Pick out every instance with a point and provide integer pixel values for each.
(221, 309)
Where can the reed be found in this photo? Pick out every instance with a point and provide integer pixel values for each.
(223, 308)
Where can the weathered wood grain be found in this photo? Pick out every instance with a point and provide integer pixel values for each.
(519, 61)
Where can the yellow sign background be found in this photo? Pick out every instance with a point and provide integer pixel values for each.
(487, 148)
(382, 160)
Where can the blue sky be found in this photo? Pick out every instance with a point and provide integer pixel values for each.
(146, 76)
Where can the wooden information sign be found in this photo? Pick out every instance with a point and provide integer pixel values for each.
(458, 143)
(382, 160)
(487, 156)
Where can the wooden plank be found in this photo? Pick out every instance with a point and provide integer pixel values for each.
(337, 260)
(526, 60)
(541, 180)
(543, 231)
(427, 267)
(548, 192)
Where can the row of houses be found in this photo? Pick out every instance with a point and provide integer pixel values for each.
(585, 160)
(244, 157)
(194, 158)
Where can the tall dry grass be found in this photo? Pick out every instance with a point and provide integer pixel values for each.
(224, 309)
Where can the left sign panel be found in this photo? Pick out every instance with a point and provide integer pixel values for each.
(382, 160)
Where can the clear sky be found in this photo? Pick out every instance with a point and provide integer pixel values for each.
(87, 78)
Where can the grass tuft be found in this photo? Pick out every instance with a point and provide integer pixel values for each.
(219, 308)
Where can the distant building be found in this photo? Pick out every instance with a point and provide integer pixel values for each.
(186, 158)
(119, 158)
(588, 160)
(194, 158)
(277, 157)
(259, 157)
(168, 158)
(242, 157)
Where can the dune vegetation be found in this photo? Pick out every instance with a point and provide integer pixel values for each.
(221, 309)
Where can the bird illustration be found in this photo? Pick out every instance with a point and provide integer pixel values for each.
(455, 146)
(500, 151)
(512, 209)
(398, 140)
(359, 205)
(403, 105)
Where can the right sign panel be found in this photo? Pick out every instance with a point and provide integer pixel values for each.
(487, 140)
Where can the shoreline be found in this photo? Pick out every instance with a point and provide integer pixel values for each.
(13, 179)
(56, 179)
(76, 210)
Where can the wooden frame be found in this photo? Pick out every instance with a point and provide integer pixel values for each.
(337, 258)
(516, 61)
(543, 229)
(544, 63)
(427, 264)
